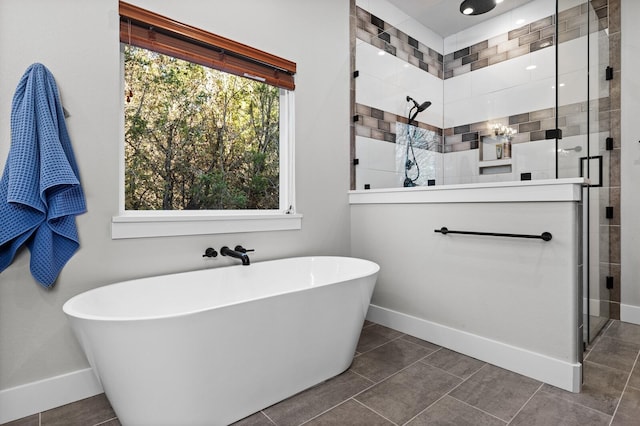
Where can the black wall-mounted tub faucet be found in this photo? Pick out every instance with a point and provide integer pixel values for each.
(239, 253)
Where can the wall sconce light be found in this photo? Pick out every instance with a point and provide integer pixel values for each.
(477, 7)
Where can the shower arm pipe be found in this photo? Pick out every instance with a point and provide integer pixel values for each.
(545, 236)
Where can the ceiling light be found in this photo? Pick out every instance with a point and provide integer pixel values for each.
(531, 67)
(477, 7)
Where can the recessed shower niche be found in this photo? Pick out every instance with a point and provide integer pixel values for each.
(494, 155)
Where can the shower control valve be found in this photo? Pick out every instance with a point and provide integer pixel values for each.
(210, 252)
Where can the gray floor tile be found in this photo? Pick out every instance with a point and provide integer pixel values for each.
(594, 341)
(350, 413)
(387, 359)
(544, 409)
(308, 404)
(113, 422)
(597, 325)
(88, 411)
(601, 389)
(614, 353)
(403, 396)
(25, 421)
(497, 391)
(624, 331)
(453, 362)
(635, 377)
(451, 412)
(488, 393)
(628, 413)
(375, 335)
(258, 419)
(423, 343)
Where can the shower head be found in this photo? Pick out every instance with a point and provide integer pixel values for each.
(420, 107)
(424, 106)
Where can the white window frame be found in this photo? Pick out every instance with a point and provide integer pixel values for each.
(168, 223)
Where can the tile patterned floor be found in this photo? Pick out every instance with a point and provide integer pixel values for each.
(396, 379)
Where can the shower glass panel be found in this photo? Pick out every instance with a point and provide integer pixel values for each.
(585, 120)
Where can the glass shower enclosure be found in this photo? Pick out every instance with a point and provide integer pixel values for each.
(518, 93)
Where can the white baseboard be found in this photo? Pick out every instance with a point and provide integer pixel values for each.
(555, 372)
(630, 313)
(35, 397)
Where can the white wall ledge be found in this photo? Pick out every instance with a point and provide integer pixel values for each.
(569, 189)
(147, 226)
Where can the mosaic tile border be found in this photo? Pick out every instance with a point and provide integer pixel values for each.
(530, 126)
(377, 124)
(529, 38)
(572, 23)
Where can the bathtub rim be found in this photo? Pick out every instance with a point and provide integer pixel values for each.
(372, 269)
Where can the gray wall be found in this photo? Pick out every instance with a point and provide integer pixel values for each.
(78, 41)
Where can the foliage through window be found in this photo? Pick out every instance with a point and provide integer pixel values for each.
(197, 138)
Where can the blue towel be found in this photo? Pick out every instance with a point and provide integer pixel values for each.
(40, 192)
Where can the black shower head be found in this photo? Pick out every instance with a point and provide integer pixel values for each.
(420, 107)
(424, 106)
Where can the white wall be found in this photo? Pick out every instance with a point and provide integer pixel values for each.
(630, 163)
(78, 41)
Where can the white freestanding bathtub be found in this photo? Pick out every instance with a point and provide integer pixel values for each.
(210, 347)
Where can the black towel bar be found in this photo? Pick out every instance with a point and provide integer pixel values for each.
(546, 236)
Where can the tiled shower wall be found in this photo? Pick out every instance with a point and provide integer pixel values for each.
(521, 41)
(374, 123)
(537, 35)
(610, 228)
(540, 34)
(385, 37)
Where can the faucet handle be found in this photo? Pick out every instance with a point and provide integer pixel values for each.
(242, 249)
(210, 252)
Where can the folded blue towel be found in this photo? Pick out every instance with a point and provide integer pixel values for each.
(40, 192)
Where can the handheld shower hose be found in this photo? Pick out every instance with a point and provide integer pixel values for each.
(409, 163)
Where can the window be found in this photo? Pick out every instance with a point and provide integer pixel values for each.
(208, 132)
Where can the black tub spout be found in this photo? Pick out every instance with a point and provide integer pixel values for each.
(238, 254)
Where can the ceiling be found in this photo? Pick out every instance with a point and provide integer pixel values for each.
(444, 17)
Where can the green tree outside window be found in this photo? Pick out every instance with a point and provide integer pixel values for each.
(198, 138)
